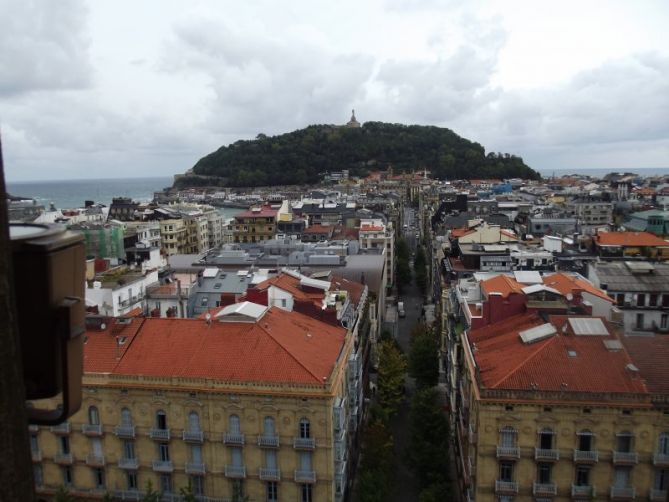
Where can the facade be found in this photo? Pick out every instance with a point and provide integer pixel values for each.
(615, 245)
(120, 292)
(591, 214)
(256, 225)
(238, 405)
(374, 234)
(654, 221)
(174, 236)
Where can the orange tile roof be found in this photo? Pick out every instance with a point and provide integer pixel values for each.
(291, 285)
(650, 354)
(354, 289)
(502, 284)
(136, 312)
(102, 349)
(286, 347)
(629, 239)
(505, 362)
(456, 233)
(318, 229)
(567, 284)
(371, 228)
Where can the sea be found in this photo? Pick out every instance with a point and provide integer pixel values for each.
(66, 194)
(600, 173)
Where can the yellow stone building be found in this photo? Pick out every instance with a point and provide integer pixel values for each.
(253, 401)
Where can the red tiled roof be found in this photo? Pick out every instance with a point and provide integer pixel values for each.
(281, 347)
(318, 229)
(103, 350)
(502, 284)
(505, 362)
(629, 239)
(291, 285)
(136, 312)
(354, 289)
(456, 233)
(650, 354)
(370, 228)
(265, 212)
(567, 284)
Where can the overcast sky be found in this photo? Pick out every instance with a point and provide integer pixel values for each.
(120, 88)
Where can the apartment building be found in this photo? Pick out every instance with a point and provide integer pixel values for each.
(615, 245)
(375, 234)
(252, 402)
(255, 225)
(120, 291)
(591, 214)
(174, 236)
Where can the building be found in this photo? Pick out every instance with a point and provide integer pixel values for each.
(122, 209)
(640, 290)
(174, 236)
(375, 234)
(654, 221)
(612, 245)
(255, 225)
(553, 408)
(120, 291)
(254, 401)
(591, 214)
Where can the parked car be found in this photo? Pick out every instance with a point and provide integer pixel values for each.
(400, 309)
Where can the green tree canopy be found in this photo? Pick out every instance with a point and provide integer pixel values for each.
(424, 356)
(390, 380)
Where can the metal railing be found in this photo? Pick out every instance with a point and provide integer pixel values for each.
(193, 436)
(661, 459)
(546, 454)
(125, 431)
(305, 476)
(63, 458)
(265, 441)
(506, 486)
(625, 457)
(623, 492)
(63, 428)
(92, 429)
(36, 455)
(508, 452)
(95, 460)
(582, 491)
(128, 463)
(163, 466)
(586, 455)
(160, 434)
(544, 488)
(235, 471)
(267, 474)
(195, 468)
(304, 443)
(658, 495)
(234, 438)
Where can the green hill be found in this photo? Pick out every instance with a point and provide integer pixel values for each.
(302, 156)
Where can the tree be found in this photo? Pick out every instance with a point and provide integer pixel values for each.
(376, 463)
(390, 381)
(238, 492)
(428, 453)
(424, 356)
(419, 269)
(187, 493)
(63, 495)
(151, 495)
(107, 497)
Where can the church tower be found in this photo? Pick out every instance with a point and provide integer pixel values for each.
(353, 122)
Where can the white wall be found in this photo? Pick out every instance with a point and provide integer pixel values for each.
(276, 297)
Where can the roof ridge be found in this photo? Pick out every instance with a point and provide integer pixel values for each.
(271, 335)
(526, 360)
(123, 352)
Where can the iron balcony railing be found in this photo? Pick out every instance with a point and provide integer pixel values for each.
(233, 438)
(160, 434)
(586, 456)
(506, 486)
(163, 466)
(582, 491)
(235, 471)
(625, 457)
(508, 452)
(269, 474)
(623, 492)
(544, 454)
(304, 443)
(125, 431)
(195, 468)
(657, 495)
(543, 489)
(305, 476)
(95, 460)
(128, 463)
(193, 436)
(268, 441)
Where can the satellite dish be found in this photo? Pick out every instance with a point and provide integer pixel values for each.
(570, 297)
(103, 326)
(208, 317)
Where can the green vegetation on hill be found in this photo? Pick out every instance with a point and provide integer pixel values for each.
(302, 156)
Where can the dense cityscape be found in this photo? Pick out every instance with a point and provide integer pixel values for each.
(386, 337)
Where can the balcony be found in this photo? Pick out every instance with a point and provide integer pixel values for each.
(625, 457)
(304, 443)
(622, 493)
(33, 428)
(508, 452)
(159, 434)
(93, 460)
(658, 495)
(125, 431)
(128, 463)
(233, 438)
(195, 468)
(235, 471)
(544, 489)
(266, 474)
(36, 455)
(63, 428)
(163, 466)
(266, 441)
(128, 494)
(582, 491)
(506, 487)
(661, 459)
(304, 476)
(92, 430)
(586, 456)
(545, 455)
(193, 436)
(63, 458)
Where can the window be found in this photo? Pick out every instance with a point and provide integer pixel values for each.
(270, 459)
(652, 300)
(583, 475)
(38, 475)
(166, 483)
(128, 450)
(96, 447)
(620, 299)
(546, 439)
(193, 422)
(621, 477)
(544, 473)
(126, 418)
(131, 480)
(93, 415)
(306, 493)
(661, 479)
(236, 457)
(196, 454)
(639, 321)
(640, 300)
(268, 426)
(584, 440)
(663, 321)
(507, 437)
(34, 443)
(305, 461)
(161, 420)
(663, 444)
(506, 471)
(237, 489)
(164, 452)
(64, 445)
(305, 428)
(197, 485)
(624, 442)
(68, 479)
(234, 425)
(99, 477)
(272, 491)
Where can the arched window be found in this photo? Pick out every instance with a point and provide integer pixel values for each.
(93, 415)
(268, 426)
(508, 437)
(663, 444)
(126, 417)
(305, 428)
(234, 424)
(161, 420)
(193, 422)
